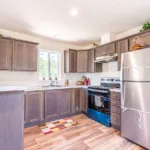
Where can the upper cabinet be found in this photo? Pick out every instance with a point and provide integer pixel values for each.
(6, 47)
(17, 55)
(122, 47)
(144, 40)
(31, 57)
(111, 48)
(91, 58)
(70, 61)
(105, 50)
(82, 61)
(100, 51)
(24, 56)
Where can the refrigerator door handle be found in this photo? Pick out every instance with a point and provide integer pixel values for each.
(140, 119)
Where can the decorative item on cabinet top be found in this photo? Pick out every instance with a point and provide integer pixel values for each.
(136, 45)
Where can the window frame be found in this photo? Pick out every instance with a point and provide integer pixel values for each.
(59, 63)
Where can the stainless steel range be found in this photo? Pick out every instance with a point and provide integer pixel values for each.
(99, 100)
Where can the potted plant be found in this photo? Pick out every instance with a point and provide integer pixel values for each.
(146, 26)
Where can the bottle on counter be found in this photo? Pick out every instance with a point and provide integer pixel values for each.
(67, 83)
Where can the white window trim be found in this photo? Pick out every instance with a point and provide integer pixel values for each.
(59, 63)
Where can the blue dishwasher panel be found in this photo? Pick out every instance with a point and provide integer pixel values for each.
(99, 117)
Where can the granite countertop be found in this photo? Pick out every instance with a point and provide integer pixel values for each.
(115, 90)
(37, 88)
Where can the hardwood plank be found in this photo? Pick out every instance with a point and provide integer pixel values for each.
(86, 135)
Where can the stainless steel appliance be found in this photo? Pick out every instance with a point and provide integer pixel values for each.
(99, 100)
(135, 99)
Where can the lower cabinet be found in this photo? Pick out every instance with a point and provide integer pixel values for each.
(116, 109)
(64, 102)
(84, 99)
(57, 103)
(78, 103)
(34, 107)
(53, 104)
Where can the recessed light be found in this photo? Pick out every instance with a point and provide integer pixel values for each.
(73, 12)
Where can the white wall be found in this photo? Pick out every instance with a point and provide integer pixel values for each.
(128, 33)
(25, 78)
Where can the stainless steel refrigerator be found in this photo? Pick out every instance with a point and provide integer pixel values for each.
(135, 97)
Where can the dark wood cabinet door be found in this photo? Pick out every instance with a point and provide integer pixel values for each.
(11, 120)
(110, 48)
(82, 61)
(19, 56)
(144, 40)
(100, 51)
(34, 107)
(72, 61)
(64, 102)
(122, 47)
(84, 99)
(78, 104)
(6, 47)
(91, 58)
(31, 57)
(51, 104)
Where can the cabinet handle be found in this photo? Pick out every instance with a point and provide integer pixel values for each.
(114, 109)
(114, 118)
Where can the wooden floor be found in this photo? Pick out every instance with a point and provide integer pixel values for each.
(86, 135)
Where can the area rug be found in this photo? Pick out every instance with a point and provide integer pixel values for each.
(57, 125)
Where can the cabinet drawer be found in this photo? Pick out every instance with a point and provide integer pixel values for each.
(115, 119)
(115, 102)
(115, 110)
(115, 95)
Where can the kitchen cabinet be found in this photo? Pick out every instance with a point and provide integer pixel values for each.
(64, 102)
(82, 61)
(51, 104)
(11, 120)
(122, 47)
(100, 51)
(115, 109)
(78, 103)
(24, 56)
(19, 56)
(91, 59)
(34, 107)
(144, 40)
(6, 47)
(110, 48)
(84, 100)
(31, 57)
(57, 103)
(70, 61)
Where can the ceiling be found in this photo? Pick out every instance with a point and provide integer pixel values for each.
(51, 18)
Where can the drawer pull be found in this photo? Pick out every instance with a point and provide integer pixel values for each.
(114, 109)
(114, 118)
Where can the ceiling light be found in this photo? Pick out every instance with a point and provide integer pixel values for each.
(73, 12)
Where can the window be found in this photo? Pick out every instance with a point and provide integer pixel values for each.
(49, 65)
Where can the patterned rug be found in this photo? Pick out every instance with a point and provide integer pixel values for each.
(57, 125)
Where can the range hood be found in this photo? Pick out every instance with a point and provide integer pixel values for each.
(106, 58)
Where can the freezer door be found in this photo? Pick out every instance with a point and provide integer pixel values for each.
(136, 74)
(136, 95)
(136, 58)
(136, 65)
(136, 129)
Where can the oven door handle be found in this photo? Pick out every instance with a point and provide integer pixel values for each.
(101, 97)
(100, 91)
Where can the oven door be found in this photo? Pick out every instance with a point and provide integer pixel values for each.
(99, 102)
